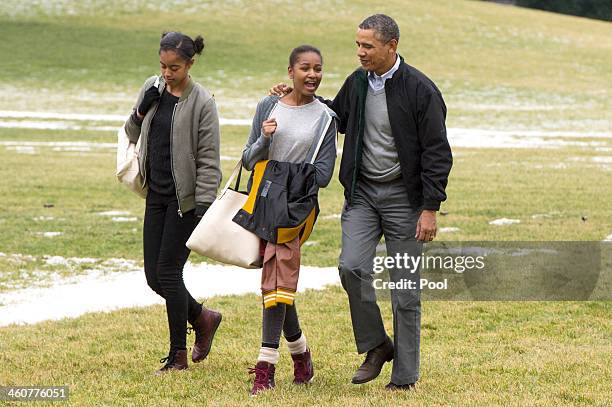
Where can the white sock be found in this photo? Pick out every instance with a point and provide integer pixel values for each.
(299, 346)
(269, 355)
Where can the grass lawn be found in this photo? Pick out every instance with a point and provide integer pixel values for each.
(558, 186)
(498, 67)
(479, 353)
(489, 353)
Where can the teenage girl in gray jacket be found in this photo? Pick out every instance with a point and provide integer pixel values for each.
(179, 158)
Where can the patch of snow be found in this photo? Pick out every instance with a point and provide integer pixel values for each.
(49, 234)
(42, 218)
(504, 221)
(115, 264)
(541, 216)
(605, 161)
(124, 219)
(63, 261)
(82, 260)
(66, 121)
(449, 230)
(56, 261)
(458, 137)
(16, 258)
(114, 213)
(11, 114)
(23, 149)
(483, 138)
(103, 292)
(83, 149)
(59, 144)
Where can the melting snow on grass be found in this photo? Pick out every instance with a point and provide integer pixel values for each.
(49, 234)
(102, 291)
(124, 219)
(70, 121)
(458, 137)
(114, 213)
(23, 149)
(42, 218)
(504, 221)
(449, 230)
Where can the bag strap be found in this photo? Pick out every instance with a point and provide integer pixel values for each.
(236, 174)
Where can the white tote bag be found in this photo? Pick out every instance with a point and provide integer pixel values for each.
(128, 170)
(218, 237)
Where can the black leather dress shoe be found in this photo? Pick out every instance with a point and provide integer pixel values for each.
(374, 361)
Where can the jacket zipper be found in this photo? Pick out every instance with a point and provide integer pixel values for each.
(360, 129)
(144, 167)
(180, 213)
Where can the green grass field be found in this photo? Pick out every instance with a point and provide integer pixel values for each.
(498, 67)
(488, 60)
(530, 353)
(558, 189)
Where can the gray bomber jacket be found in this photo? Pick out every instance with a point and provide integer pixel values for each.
(194, 147)
(322, 153)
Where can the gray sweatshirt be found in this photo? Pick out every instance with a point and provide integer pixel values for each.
(314, 122)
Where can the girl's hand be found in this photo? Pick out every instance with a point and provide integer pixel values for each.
(268, 127)
(151, 96)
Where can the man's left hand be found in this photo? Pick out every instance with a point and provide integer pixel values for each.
(426, 226)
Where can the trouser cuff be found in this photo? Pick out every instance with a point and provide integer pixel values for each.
(404, 380)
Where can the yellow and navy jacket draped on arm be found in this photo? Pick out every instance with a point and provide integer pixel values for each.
(282, 203)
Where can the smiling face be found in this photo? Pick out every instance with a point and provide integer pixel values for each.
(374, 54)
(174, 68)
(306, 73)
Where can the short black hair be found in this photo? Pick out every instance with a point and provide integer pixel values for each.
(302, 49)
(386, 28)
(181, 44)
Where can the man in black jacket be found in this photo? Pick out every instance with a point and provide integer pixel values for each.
(395, 165)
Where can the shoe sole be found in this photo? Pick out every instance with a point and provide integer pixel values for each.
(261, 391)
(307, 382)
(366, 380)
(211, 341)
(158, 373)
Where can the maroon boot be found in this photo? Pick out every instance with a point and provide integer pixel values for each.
(264, 377)
(176, 360)
(303, 371)
(204, 327)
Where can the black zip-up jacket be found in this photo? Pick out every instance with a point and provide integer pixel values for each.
(282, 203)
(417, 115)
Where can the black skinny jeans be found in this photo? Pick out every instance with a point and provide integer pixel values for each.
(164, 236)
